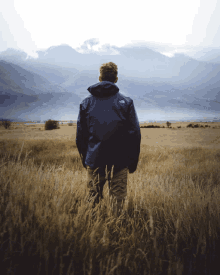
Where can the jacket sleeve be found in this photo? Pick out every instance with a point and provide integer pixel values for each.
(82, 135)
(134, 139)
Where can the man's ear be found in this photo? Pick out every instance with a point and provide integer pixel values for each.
(100, 79)
(116, 79)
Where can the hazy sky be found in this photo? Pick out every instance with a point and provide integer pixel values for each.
(175, 24)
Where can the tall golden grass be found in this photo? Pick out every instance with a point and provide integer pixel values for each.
(170, 222)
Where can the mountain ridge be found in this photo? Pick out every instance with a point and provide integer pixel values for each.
(51, 85)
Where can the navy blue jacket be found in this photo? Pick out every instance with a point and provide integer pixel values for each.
(108, 131)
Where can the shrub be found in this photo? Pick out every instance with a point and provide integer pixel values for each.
(179, 127)
(70, 124)
(150, 126)
(51, 124)
(197, 125)
(6, 123)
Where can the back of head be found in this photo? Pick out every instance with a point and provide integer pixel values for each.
(109, 72)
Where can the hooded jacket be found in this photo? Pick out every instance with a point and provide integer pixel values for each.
(108, 131)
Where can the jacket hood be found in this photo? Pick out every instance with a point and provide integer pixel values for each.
(103, 89)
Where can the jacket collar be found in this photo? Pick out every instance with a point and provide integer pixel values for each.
(103, 89)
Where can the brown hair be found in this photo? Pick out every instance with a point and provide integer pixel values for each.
(108, 72)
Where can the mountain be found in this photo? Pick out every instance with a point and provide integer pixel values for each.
(208, 55)
(138, 62)
(133, 62)
(51, 72)
(54, 84)
(67, 57)
(13, 55)
(22, 92)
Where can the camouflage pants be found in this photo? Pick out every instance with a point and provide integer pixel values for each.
(117, 183)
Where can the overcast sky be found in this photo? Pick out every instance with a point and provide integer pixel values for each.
(173, 25)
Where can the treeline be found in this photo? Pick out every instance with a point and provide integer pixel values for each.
(191, 125)
(54, 124)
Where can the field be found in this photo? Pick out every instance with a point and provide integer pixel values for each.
(171, 218)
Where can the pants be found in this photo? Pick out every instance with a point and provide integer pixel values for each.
(117, 182)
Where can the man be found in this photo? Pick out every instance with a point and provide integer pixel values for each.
(108, 138)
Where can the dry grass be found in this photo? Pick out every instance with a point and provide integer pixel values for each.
(170, 223)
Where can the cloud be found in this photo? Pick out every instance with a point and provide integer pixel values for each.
(205, 29)
(13, 31)
(88, 45)
(93, 45)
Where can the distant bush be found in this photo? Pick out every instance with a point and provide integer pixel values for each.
(190, 125)
(150, 126)
(51, 125)
(179, 127)
(196, 126)
(70, 124)
(5, 123)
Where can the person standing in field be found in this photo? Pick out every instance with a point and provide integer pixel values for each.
(108, 138)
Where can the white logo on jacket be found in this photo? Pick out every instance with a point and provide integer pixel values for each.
(122, 101)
